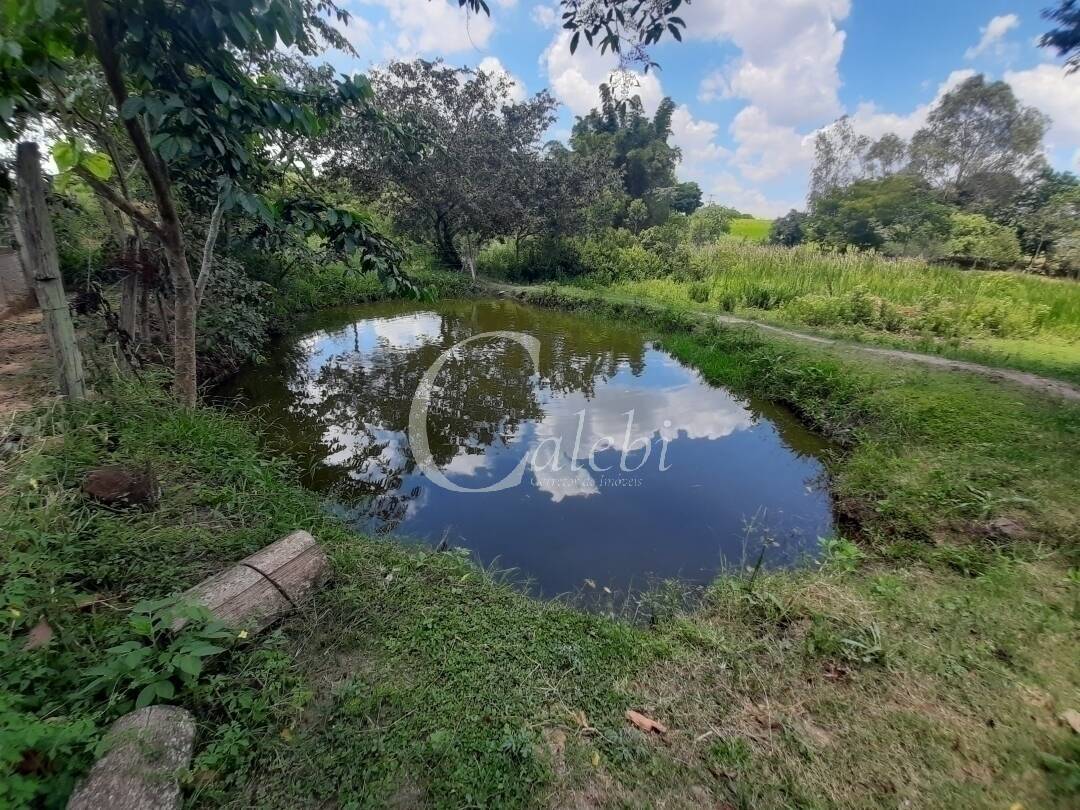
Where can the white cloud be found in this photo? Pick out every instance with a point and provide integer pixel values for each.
(870, 120)
(357, 31)
(766, 150)
(697, 140)
(545, 16)
(1053, 91)
(576, 78)
(992, 34)
(433, 27)
(491, 64)
(789, 65)
(726, 189)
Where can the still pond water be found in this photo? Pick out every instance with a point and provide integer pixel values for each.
(632, 468)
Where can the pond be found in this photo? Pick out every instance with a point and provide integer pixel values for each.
(604, 463)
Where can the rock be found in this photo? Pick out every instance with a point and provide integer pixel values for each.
(259, 588)
(1071, 718)
(120, 486)
(1004, 528)
(145, 751)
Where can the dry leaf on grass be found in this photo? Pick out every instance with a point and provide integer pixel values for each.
(40, 635)
(646, 724)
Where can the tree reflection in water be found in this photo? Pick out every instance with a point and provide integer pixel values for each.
(339, 398)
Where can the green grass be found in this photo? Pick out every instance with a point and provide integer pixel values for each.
(1008, 319)
(922, 666)
(752, 230)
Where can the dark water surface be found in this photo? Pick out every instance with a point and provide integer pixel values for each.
(717, 476)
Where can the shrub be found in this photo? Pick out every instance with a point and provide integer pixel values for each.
(974, 238)
(234, 318)
(709, 223)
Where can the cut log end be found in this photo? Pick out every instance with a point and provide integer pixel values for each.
(257, 590)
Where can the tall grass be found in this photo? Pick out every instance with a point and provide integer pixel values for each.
(802, 282)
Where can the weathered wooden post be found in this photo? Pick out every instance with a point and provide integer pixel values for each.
(38, 247)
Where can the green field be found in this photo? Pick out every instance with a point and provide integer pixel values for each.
(751, 230)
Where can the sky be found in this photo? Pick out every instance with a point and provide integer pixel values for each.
(753, 80)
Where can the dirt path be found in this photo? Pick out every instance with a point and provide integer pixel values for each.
(1044, 385)
(25, 377)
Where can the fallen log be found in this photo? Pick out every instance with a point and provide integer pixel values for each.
(146, 749)
(259, 588)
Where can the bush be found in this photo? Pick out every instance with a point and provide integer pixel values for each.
(974, 238)
(234, 318)
(709, 223)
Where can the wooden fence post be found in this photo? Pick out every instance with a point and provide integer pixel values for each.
(38, 245)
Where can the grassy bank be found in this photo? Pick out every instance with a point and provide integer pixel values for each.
(923, 665)
(1009, 319)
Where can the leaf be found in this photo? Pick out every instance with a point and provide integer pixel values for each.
(221, 90)
(646, 724)
(132, 106)
(146, 696)
(40, 635)
(97, 164)
(66, 155)
(574, 41)
(189, 665)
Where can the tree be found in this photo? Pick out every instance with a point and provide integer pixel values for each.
(481, 163)
(685, 198)
(709, 223)
(788, 230)
(637, 147)
(977, 138)
(199, 123)
(898, 214)
(1065, 38)
(887, 155)
(838, 158)
(975, 239)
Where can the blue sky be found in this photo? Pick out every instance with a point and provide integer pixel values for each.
(754, 80)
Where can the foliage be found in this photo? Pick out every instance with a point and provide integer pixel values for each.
(898, 214)
(975, 239)
(482, 173)
(788, 230)
(234, 323)
(204, 105)
(977, 133)
(710, 223)
(1065, 38)
(638, 148)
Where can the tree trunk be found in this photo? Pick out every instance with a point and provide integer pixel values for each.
(36, 238)
(169, 229)
(129, 303)
(446, 251)
(184, 313)
(145, 329)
